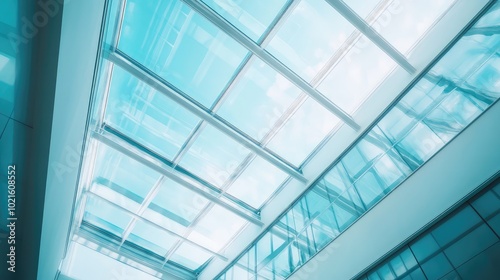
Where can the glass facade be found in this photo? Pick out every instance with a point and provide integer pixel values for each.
(204, 110)
(453, 248)
(455, 91)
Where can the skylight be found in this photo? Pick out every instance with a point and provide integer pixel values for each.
(204, 111)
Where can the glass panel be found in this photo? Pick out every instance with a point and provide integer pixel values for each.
(356, 75)
(455, 226)
(213, 232)
(151, 238)
(88, 264)
(257, 183)
(182, 204)
(303, 132)
(347, 208)
(214, 156)
(488, 206)
(106, 216)
(258, 99)
(424, 247)
(436, 267)
(311, 21)
(147, 116)
(404, 23)
(251, 17)
(363, 8)
(117, 196)
(181, 46)
(336, 181)
(421, 143)
(190, 256)
(370, 188)
(118, 169)
(286, 262)
(470, 245)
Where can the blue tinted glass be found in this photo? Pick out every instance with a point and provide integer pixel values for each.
(213, 232)
(147, 116)
(307, 23)
(286, 262)
(258, 100)
(214, 156)
(106, 216)
(421, 143)
(151, 238)
(443, 124)
(180, 46)
(455, 226)
(190, 256)
(370, 188)
(179, 200)
(424, 247)
(127, 174)
(336, 181)
(436, 267)
(470, 245)
(257, 183)
(251, 17)
(356, 75)
(302, 133)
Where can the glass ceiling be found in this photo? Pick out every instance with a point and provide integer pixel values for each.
(204, 110)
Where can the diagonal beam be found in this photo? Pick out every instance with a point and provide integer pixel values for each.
(371, 34)
(261, 53)
(156, 82)
(127, 149)
(142, 219)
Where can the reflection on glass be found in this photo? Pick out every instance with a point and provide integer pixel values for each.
(142, 113)
(88, 264)
(151, 238)
(258, 100)
(190, 256)
(356, 75)
(214, 156)
(181, 46)
(106, 216)
(213, 232)
(118, 171)
(452, 95)
(248, 16)
(302, 133)
(257, 182)
(178, 203)
(311, 21)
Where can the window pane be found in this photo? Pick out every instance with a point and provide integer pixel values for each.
(421, 143)
(470, 245)
(311, 21)
(356, 75)
(213, 232)
(147, 116)
(257, 183)
(404, 23)
(88, 264)
(190, 256)
(106, 216)
(214, 156)
(251, 17)
(125, 172)
(179, 201)
(302, 133)
(181, 46)
(151, 238)
(258, 100)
